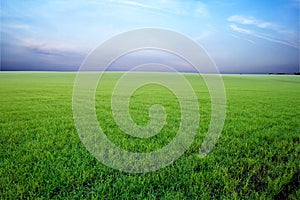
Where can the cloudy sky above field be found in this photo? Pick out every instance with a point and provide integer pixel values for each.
(241, 36)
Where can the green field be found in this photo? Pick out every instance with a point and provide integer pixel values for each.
(256, 157)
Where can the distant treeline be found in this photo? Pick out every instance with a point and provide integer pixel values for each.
(296, 73)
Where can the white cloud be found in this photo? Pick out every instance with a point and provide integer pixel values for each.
(200, 10)
(251, 21)
(239, 29)
(240, 19)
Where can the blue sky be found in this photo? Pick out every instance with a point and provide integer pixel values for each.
(241, 36)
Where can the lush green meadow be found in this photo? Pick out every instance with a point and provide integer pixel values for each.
(256, 157)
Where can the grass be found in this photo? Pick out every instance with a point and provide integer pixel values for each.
(257, 156)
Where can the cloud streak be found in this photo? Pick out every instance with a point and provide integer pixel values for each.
(18, 26)
(251, 41)
(50, 48)
(263, 30)
(137, 4)
(262, 36)
(194, 8)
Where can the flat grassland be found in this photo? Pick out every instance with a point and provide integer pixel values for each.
(256, 157)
